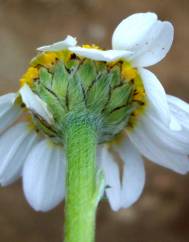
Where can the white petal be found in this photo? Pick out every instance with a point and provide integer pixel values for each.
(64, 44)
(112, 178)
(151, 148)
(180, 114)
(100, 55)
(142, 33)
(15, 145)
(44, 176)
(132, 30)
(157, 45)
(157, 98)
(175, 124)
(35, 104)
(179, 104)
(9, 112)
(175, 140)
(133, 174)
(180, 111)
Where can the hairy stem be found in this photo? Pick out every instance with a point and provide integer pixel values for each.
(81, 195)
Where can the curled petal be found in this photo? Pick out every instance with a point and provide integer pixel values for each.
(149, 38)
(179, 110)
(35, 103)
(100, 55)
(64, 44)
(175, 140)
(157, 98)
(142, 136)
(132, 30)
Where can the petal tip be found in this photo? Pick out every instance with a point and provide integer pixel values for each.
(58, 46)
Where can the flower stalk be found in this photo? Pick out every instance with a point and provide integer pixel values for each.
(83, 192)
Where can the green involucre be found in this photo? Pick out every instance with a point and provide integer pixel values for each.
(84, 86)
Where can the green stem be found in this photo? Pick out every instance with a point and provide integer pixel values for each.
(81, 196)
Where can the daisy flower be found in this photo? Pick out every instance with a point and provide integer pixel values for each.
(126, 105)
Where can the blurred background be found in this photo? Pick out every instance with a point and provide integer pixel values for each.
(162, 213)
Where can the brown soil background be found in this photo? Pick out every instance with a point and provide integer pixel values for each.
(162, 213)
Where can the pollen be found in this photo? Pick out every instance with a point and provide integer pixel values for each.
(64, 55)
(46, 59)
(29, 76)
(112, 64)
(128, 72)
(140, 99)
(92, 46)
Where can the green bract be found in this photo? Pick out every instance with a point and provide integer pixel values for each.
(87, 88)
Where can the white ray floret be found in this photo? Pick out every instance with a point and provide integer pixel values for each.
(133, 174)
(180, 111)
(149, 38)
(123, 192)
(35, 104)
(15, 145)
(101, 55)
(9, 111)
(64, 44)
(156, 96)
(112, 178)
(155, 151)
(44, 176)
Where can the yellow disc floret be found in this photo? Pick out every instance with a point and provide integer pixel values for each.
(64, 55)
(128, 72)
(140, 98)
(31, 74)
(87, 46)
(46, 59)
